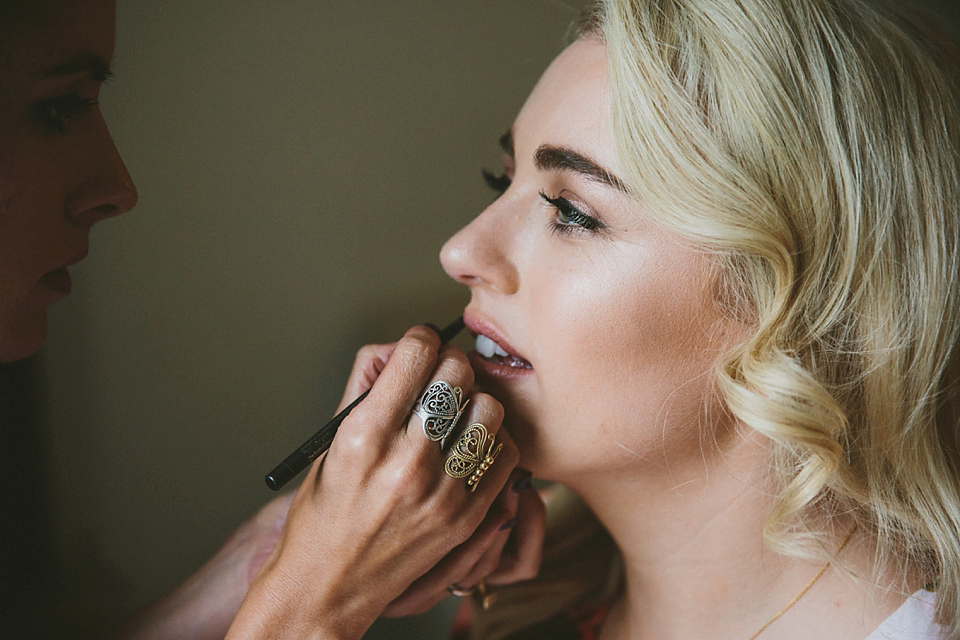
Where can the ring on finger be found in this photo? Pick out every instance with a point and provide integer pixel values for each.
(472, 454)
(484, 596)
(460, 592)
(439, 408)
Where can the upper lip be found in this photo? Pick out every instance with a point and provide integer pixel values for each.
(72, 261)
(479, 325)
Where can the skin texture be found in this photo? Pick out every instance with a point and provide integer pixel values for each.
(618, 325)
(60, 174)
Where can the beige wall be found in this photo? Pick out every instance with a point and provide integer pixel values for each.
(299, 164)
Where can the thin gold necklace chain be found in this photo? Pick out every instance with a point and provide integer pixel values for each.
(807, 588)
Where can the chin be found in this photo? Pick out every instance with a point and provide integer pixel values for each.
(528, 440)
(22, 337)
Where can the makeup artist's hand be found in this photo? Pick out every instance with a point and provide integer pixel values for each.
(378, 512)
(507, 547)
(203, 607)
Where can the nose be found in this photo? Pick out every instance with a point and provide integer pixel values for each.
(106, 188)
(480, 254)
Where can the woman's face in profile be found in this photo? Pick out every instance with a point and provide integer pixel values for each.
(60, 172)
(607, 318)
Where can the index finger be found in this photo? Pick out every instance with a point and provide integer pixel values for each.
(403, 377)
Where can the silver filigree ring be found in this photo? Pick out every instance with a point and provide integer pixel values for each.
(439, 408)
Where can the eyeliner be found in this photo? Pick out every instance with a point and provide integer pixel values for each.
(320, 441)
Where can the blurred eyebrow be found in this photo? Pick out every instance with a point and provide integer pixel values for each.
(90, 63)
(563, 159)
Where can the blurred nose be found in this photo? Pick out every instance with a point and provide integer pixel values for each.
(106, 189)
(480, 254)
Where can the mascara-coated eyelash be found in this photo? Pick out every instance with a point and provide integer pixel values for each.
(569, 219)
(498, 183)
(56, 112)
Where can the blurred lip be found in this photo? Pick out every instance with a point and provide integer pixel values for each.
(74, 260)
(59, 280)
(478, 325)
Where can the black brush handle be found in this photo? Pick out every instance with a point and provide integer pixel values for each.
(310, 450)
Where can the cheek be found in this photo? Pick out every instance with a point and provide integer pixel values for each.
(35, 238)
(35, 232)
(632, 355)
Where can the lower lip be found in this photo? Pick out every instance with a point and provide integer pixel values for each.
(58, 281)
(495, 370)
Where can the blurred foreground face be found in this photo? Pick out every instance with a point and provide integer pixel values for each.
(60, 172)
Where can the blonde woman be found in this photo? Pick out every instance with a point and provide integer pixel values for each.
(719, 300)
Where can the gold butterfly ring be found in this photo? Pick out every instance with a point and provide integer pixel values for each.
(472, 455)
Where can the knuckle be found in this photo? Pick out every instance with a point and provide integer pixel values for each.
(509, 456)
(528, 570)
(366, 352)
(488, 564)
(489, 406)
(454, 363)
(465, 527)
(408, 479)
(420, 339)
(353, 444)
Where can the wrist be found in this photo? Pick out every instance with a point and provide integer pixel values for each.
(277, 609)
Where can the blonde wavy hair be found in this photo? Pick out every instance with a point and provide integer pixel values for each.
(810, 146)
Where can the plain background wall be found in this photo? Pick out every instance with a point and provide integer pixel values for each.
(300, 164)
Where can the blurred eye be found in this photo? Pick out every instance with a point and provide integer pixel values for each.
(55, 113)
(498, 183)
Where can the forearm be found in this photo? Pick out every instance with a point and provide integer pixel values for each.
(276, 609)
(201, 608)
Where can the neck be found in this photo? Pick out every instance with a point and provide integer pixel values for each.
(696, 565)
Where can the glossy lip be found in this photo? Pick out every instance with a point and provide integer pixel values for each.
(477, 325)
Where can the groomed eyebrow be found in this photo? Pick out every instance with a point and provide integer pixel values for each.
(90, 63)
(549, 158)
(562, 159)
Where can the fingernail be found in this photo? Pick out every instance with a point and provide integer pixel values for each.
(522, 482)
(509, 523)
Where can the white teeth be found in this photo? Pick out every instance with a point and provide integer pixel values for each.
(488, 348)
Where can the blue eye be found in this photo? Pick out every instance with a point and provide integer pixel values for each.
(55, 113)
(570, 219)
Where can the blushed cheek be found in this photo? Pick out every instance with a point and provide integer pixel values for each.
(632, 358)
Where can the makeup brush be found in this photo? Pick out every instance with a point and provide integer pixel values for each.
(320, 441)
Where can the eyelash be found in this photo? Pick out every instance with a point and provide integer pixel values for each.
(569, 219)
(56, 112)
(572, 220)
